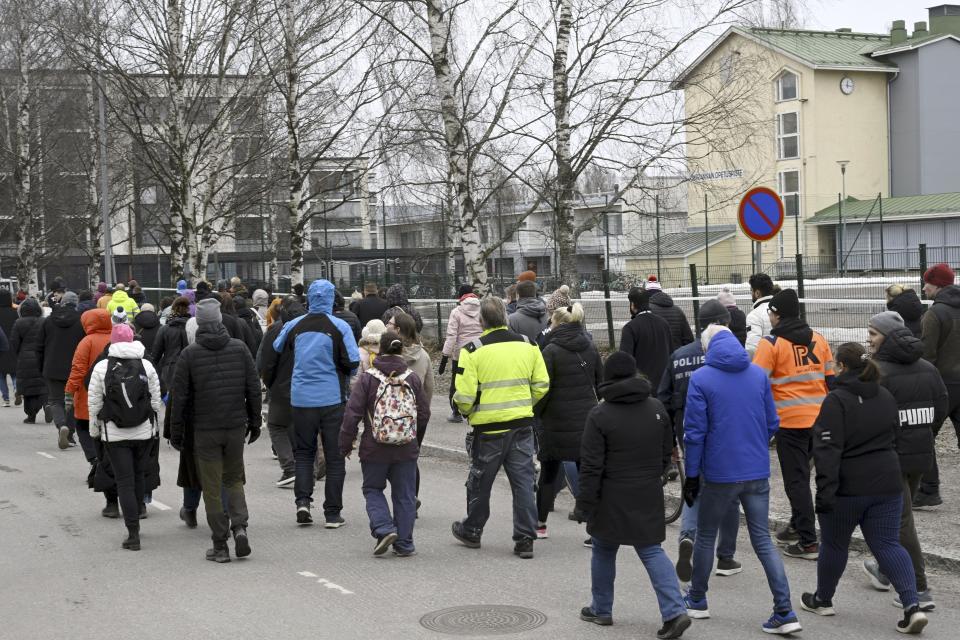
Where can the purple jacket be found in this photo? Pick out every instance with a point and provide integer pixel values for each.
(362, 400)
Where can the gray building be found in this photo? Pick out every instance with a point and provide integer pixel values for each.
(924, 97)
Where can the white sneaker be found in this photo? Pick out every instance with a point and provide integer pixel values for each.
(6, 403)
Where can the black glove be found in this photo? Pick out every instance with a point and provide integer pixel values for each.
(443, 365)
(691, 489)
(177, 443)
(580, 515)
(253, 431)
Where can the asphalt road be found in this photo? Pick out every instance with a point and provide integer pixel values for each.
(64, 575)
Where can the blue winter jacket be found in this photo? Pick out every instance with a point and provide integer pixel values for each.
(325, 352)
(730, 416)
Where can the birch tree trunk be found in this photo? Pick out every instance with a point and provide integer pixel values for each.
(180, 198)
(566, 180)
(25, 228)
(464, 213)
(295, 177)
(94, 221)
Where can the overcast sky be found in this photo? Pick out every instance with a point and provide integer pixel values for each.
(872, 16)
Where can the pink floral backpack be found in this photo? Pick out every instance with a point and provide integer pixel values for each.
(394, 417)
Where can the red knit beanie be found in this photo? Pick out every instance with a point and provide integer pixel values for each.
(939, 275)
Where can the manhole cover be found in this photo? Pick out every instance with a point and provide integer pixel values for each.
(483, 620)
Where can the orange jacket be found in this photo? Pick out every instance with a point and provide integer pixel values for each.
(97, 324)
(799, 376)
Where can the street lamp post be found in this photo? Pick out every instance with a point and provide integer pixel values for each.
(843, 196)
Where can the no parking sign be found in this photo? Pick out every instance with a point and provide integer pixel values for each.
(761, 214)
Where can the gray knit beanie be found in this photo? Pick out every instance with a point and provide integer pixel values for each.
(886, 321)
(208, 310)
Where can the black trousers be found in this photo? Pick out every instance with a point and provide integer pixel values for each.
(128, 458)
(930, 484)
(795, 450)
(546, 488)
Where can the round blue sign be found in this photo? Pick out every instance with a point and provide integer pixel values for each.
(761, 214)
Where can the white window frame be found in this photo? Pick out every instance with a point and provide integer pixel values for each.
(787, 196)
(778, 86)
(781, 244)
(782, 137)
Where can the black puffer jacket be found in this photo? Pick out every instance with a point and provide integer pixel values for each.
(60, 334)
(647, 339)
(941, 334)
(662, 306)
(738, 324)
(8, 316)
(252, 321)
(215, 385)
(920, 394)
(626, 448)
(908, 305)
(575, 371)
(147, 325)
(23, 342)
(170, 341)
(276, 369)
(372, 307)
(854, 442)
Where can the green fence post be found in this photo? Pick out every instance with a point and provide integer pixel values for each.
(923, 266)
(696, 303)
(800, 293)
(609, 308)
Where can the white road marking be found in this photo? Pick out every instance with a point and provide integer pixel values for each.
(160, 505)
(326, 583)
(46, 455)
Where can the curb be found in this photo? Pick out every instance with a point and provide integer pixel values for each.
(857, 543)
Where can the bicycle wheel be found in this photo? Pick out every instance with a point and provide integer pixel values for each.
(673, 497)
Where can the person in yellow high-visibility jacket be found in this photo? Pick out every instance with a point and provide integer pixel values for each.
(500, 377)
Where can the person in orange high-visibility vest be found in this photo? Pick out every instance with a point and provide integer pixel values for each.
(800, 366)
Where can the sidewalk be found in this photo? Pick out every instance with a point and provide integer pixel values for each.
(938, 528)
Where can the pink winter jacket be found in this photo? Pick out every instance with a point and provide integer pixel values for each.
(462, 327)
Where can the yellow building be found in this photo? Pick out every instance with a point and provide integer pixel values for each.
(801, 112)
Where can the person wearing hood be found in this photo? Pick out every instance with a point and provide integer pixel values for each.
(169, 341)
(383, 461)
(23, 342)
(672, 392)
(251, 321)
(181, 287)
(738, 319)
(276, 370)
(627, 440)
(907, 303)
(101, 291)
(531, 316)
(347, 316)
(120, 298)
(661, 305)
(758, 321)
(369, 345)
(201, 291)
(97, 326)
(235, 326)
(372, 307)
(417, 360)
(261, 302)
(59, 336)
(575, 372)
(800, 366)
(397, 299)
(729, 419)
(128, 447)
(922, 401)
(859, 484)
(646, 337)
(941, 346)
(85, 301)
(325, 356)
(8, 358)
(147, 326)
(463, 326)
(222, 410)
(136, 293)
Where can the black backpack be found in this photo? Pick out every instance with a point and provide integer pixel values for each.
(127, 393)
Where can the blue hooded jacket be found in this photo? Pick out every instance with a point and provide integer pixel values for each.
(730, 416)
(325, 352)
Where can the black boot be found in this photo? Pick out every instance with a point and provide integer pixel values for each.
(112, 510)
(143, 511)
(133, 538)
(220, 552)
(189, 516)
(241, 542)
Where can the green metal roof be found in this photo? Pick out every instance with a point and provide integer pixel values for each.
(938, 205)
(913, 43)
(826, 49)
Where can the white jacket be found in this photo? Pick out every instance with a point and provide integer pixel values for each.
(758, 324)
(97, 391)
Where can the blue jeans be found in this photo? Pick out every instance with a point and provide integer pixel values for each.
(4, 389)
(715, 499)
(403, 493)
(310, 423)
(603, 571)
(729, 526)
(514, 452)
(879, 520)
(573, 477)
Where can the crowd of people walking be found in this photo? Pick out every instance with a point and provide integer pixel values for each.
(115, 377)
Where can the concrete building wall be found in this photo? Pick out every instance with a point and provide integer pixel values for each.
(905, 165)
